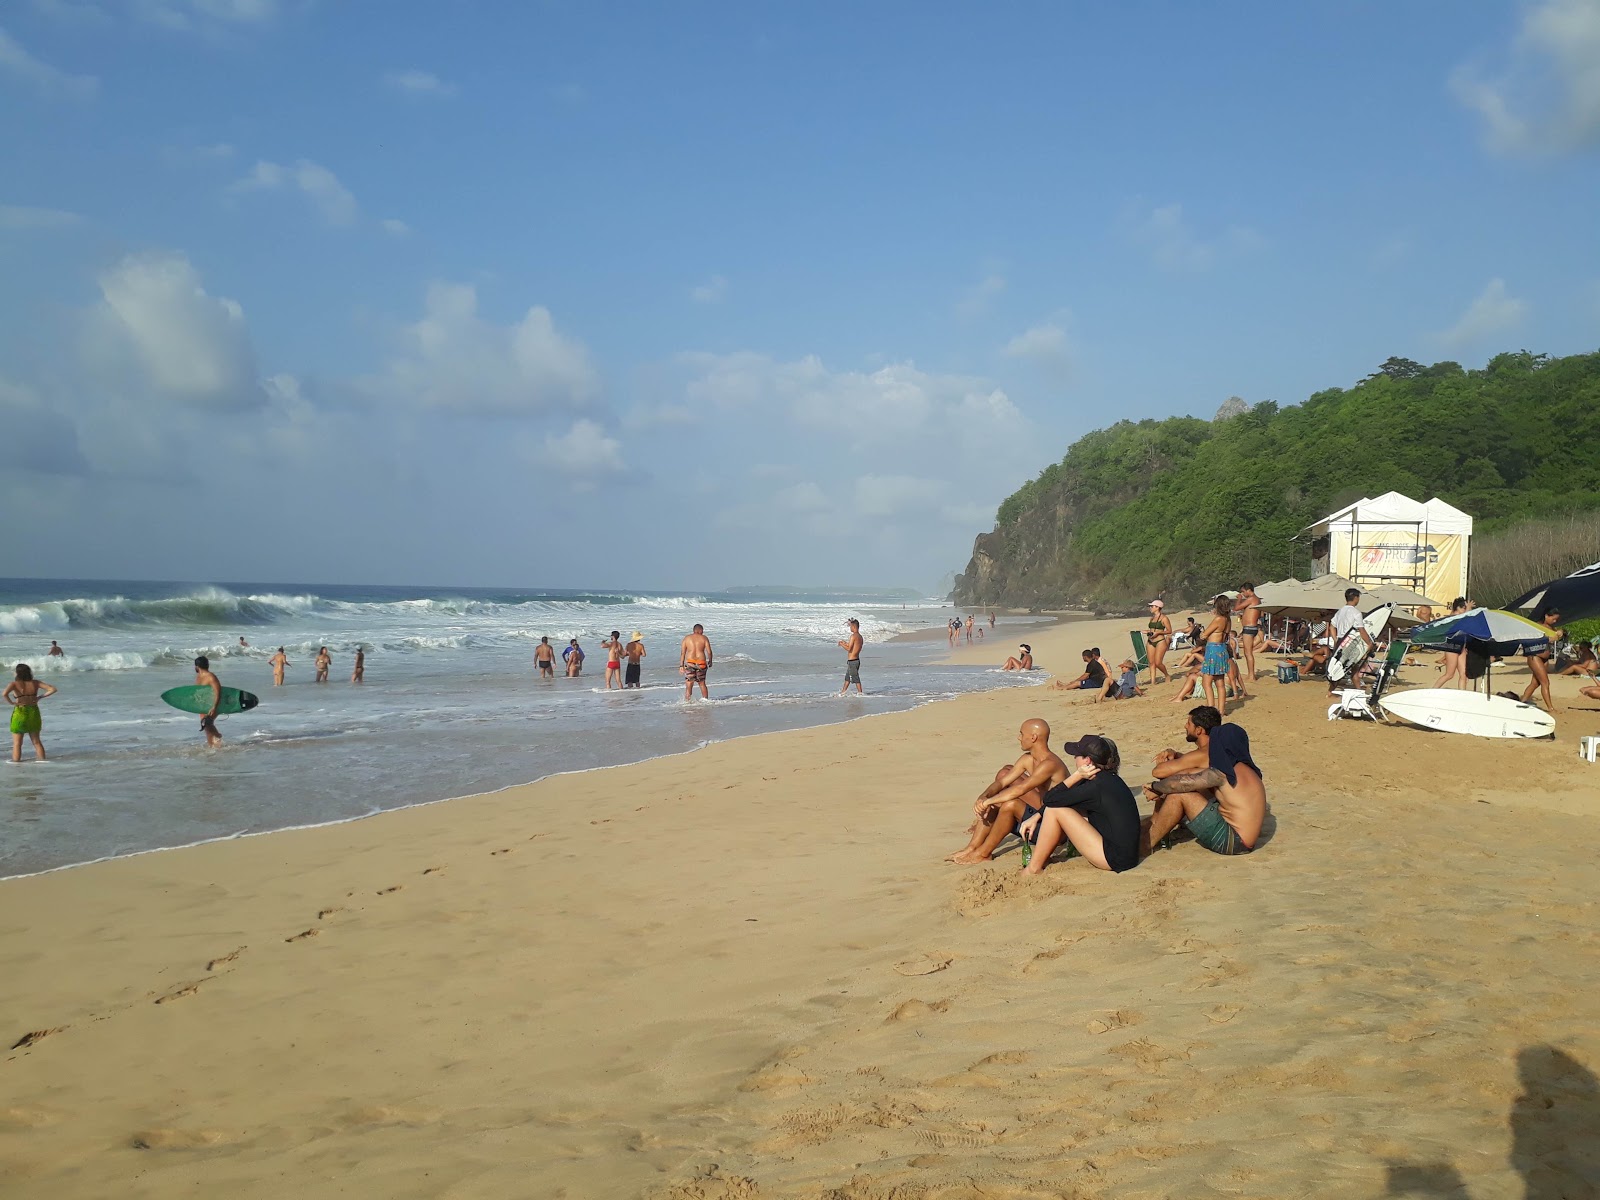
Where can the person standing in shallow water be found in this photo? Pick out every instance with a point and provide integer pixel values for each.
(852, 657)
(278, 662)
(613, 648)
(694, 660)
(24, 693)
(359, 674)
(635, 652)
(204, 678)
(324, 661)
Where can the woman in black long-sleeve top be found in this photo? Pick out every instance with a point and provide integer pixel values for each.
(1093, 809)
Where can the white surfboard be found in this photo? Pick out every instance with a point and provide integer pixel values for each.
(1352, 652)
(1450, 711)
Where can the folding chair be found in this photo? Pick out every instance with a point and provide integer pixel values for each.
(1141, 660)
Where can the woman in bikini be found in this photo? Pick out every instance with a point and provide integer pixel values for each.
(1216, 664)
(24, 693)
(1158, 637)
(1454, 662)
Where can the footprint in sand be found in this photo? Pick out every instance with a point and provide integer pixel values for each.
(433, 871)
(1122, 1018)
(503, 850)
(1223, 1013)
(925, 964)
(176, 1139)
(386, 891)
(226, 958)
(303, 934)
(324, 913)
(178, 993)
(916, 1010)
(36, 1035)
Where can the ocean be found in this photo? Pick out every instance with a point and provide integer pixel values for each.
(451, 706)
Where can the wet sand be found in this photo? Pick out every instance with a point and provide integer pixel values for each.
(744, 972)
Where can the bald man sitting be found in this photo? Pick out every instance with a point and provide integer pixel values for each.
(1014, 796)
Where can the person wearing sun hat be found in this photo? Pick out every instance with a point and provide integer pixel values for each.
(1157, 637)
(635, 651)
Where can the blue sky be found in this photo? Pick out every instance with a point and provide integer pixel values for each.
(683, 296)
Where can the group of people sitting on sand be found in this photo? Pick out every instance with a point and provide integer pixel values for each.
(1079, 800)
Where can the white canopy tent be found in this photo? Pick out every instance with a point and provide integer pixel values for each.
(1395, 540)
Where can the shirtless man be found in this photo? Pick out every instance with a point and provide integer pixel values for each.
(1248, 609)
(544, 657)
(852, 657)
(1014, 796)
(278, 662)
(613, 648)
(324, 661)
(970, 623)
(635, 651)
(204, 678)
(1215, 789)
(694, 660)
(55, 651)
(243, 645)
(359, 673)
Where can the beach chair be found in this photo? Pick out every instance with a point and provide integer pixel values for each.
(1141, 659)
(1355, 702)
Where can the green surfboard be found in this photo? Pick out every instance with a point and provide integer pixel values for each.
(196, 699)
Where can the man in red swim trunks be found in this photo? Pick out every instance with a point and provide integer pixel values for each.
(613, 648)
(694, 660)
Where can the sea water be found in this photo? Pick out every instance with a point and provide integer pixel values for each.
(451, 706)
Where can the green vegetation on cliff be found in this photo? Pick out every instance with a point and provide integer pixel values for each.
(1186, 507)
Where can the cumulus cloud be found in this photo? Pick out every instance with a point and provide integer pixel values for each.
(453, 358)
(1172, 244)
(39, 76)
(1494, 311)
(711, 291)
(394, 227)
(318, 184)
(22, 217)
(1046, 345)
(893, 401)
(585, 452)
(1547, 95)
(188, 345)
(419, 83)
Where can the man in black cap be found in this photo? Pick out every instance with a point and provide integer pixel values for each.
(1215, 790)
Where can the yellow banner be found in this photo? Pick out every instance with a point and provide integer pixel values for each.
(1435, 564)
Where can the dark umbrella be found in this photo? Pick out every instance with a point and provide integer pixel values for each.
(1575, 596)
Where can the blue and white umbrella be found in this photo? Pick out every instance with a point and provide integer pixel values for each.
(1489, 630)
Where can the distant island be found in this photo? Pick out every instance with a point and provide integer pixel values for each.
(788, 592)
(1186, 507)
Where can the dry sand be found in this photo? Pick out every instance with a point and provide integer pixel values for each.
(744, 972)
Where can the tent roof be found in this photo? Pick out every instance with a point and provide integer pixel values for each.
(1392, 508)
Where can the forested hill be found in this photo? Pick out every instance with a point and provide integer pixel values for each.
(1187, 506)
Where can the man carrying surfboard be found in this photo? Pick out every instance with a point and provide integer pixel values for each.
(204, 678)
(1347, 623)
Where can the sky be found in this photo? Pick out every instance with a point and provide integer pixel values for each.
(678, 297)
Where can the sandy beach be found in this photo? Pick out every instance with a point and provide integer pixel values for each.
(745, 972)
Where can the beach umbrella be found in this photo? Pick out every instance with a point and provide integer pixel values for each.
(1489, 632)
(1577, 596)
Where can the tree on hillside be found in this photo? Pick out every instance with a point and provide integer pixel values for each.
(1398, 368)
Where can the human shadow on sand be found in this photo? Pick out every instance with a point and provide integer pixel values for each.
(1555, 1135)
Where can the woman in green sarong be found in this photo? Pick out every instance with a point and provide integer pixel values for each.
(24, 693)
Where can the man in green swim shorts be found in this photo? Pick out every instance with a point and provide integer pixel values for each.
(1215, 790)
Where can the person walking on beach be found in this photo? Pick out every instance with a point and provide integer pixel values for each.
(23, 694)
(544, 657)
(613, 648)
(204, 678)
(1214, 667)
(1157, 637)
(694, 660)
(1539, 663)
(1346, 623)
(278, 662)
(359, 673)
(55, 651)
(324, 661)
(852, 657)
(635, 651)
(1248, 609)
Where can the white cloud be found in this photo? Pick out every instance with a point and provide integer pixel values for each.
(977, 300)
(711, 291)
(1046, 345)
(585, 451)
(20, 216)
(419, 83)
(318, 184)
(801, 499)
(890, 402)
(17, 63)
(453, 358)
(1166, 235)
(1494, 311)
(188, 345)
(1547, 98)
(394, 227)
(189, 16)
